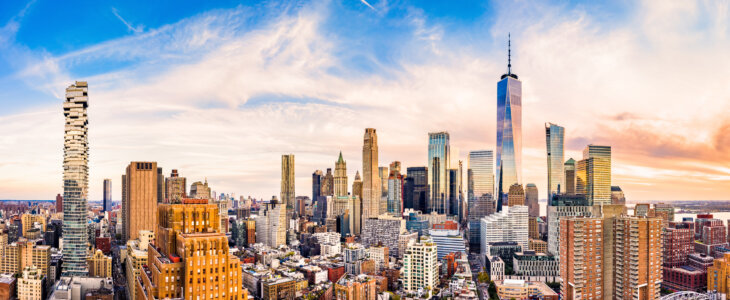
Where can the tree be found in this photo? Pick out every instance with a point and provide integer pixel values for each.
(483, 277)
(493, 291)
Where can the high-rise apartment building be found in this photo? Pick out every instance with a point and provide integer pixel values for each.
(175, 188)
(593, 174)
(420, 266)
(29, 220)
(288, 196)
(516, 195)
(531, 200)
(580, 258)
(30, 284)
(570, 179)
(75, 179)
(417, 190)
(59, 203)
(190, 258)
(677, 243)
(554, 136)
(371, 185)
(271, 224)
(139, 205)
(438, 174)
(637, 257)
(509, 132)
(608, 215)
(107, 200)
(564, 206)
(23, 253)
(395, 193)
(341, 177)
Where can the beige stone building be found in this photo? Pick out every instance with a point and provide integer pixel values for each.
(30, 285)
(139, 201)
(100, 265)
(24, 253)
(136, 257)
(28, 220)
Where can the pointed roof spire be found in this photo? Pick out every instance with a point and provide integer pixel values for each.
(509, 53)
(357, 175)
(340, 160)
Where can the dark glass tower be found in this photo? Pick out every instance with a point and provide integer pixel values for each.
(509, 132)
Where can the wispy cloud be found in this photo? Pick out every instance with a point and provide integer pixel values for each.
(130, 27)
(367, 4)
(183, 99)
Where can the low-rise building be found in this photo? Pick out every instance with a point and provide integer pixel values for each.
(30, 285)
(520, 289)
(99, 265)
(529, 263)
(355, 287)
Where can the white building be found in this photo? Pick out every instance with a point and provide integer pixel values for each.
(420, 266)
(329, 250)
(271, 224)
(448, 241)
(495, 265)
(509, 225)
(30, 286)
(405, 240)
(554, 214)
(379, 254)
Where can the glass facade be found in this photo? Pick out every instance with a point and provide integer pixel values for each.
(480, 188)
(107, 195)
(417, 191)
(75, 180)
(569, 178)
(594, 174)
(509, 135)
(554, 135)
(438, 165)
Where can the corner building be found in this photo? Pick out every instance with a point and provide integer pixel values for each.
(190, 259)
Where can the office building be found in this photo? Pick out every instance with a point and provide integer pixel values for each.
(438, 165)
(371, 185)
(287, 185)
(570, 179)
(340, 179)
(59, 203)
(75, 178)
(107, 200)
(509, 132)
(383, 230)
(23, 253)
(383, 174)
(637, 257)
(479, 208)
(139, 205)
(175, 188)
(509, 225)
(580, 258)
(100, 265)
(200, 190)
(564, 206)
(328, 183)
(447, 241)
(516, 195)
(30, 221)
(420, 266)
(395, 193)
(480, 190)
(454, 197)
(531, 200)
(539, 246)
(417, 192)
(593, 174)
(270, 224)
(190, 257)
(357, 186)
(530, 263)
(317, 178)
(554, 136)
(617, 196)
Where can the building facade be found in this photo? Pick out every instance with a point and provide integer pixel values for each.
(554, 136)
(438, 166)
(371, 189)
(107, 200)
(580, 258)
(340, 180)
(637, 257)
(139, 205)
(420, 266)
(509, 133)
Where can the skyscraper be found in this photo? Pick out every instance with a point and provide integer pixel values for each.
(357, 186)
(516, 195)
(341, 177)
(317, 178)
(581, 264)
(480, 189)
(438, 174)
(509, 132)
(569, 167)
(531, 200)
(107, 203)
(554, 135)
(371, 189)
(617, 195)
(139, 204)
(175, 187)
(395, 193)
(59, 203)
(454, 198)
(328, 183)
(270, 224)
(593, 174)
(75, 179)
(383, 175)
(417, 191)
(287, 183)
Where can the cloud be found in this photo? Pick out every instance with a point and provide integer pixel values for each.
(137, 29)
(367, 4)
(223, 94)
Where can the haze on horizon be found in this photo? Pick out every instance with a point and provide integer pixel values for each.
(221, 90)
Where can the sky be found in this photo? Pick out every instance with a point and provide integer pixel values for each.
(221, 89)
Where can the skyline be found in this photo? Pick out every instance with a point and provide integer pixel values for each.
(305, 100)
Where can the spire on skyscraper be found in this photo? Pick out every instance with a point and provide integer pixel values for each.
(509, 58)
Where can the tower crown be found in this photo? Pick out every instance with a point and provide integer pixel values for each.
(509, 59)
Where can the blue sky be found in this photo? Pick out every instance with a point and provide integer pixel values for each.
(220, 89)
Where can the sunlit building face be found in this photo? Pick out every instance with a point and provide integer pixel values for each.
(509, 134)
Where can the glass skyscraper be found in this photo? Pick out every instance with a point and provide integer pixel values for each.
(593, 174)
(75, 179)
(554, 136)
(509, 133)
(480, 188)
(438, 166)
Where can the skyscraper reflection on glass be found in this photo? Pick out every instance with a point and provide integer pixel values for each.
(438, 165)
(554, 136)
(509, 134)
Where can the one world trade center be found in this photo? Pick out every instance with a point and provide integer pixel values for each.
(509, 132)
